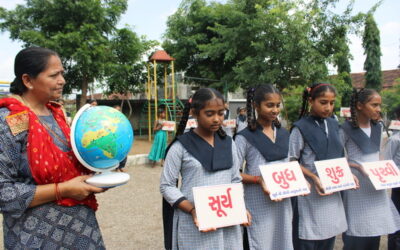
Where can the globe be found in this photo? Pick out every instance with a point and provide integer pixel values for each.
(101, 137)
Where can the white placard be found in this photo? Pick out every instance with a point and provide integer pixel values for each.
(284, 180)
(335, 175)
(394, 124)
(345, 112)
(231, 123)
(191, 123)
(168, 126)
(220, 205)
(383, 174)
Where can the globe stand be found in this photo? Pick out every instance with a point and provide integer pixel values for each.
(108, 179)
(104, 178)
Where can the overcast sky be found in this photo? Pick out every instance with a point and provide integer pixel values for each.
(148, 17)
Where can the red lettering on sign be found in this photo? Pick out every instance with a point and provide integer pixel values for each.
(384, 171)
(283, 177)
(220, 201)
(334, 173)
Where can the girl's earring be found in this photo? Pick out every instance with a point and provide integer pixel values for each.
(30, 87)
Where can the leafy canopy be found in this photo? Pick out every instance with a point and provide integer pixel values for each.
(372, 50)
(246, 42)
(84, 34)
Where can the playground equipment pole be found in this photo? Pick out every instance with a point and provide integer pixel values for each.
(148, 101)
(165, 91)
(165, 82)
(163, 57)
(155, 90)
(173, 88)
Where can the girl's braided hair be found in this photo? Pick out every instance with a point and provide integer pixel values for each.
(359, 96)
(255, 96)
(314, 91)
(196, 103)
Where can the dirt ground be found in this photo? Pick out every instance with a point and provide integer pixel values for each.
(141, 145)
(130, 215)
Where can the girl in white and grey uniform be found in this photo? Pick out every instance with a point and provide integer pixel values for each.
(370, 212)
(320, 216)
(264, 142)
(204, 156)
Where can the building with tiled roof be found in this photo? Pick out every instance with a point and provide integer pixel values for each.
(388, 78)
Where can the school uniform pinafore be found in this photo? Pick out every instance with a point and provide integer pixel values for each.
(317, 217)
(181, 162)
(369, 212)
(271, 221)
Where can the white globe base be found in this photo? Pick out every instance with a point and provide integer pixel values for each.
(108, 179)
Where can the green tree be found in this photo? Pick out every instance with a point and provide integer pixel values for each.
(372, 49)
(292, 100)
(78, 30)
(244, 42)
(391, 99)
(343, 90)
(188, 32)
(126, 69)
(126, 72)
(342, 56)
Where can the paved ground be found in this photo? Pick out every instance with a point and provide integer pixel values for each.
(130, 215)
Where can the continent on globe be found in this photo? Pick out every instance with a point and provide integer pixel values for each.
(101, 139)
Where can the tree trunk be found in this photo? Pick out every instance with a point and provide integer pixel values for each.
(129, 105)
(84, 86)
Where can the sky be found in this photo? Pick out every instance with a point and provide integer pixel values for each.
(148, 17)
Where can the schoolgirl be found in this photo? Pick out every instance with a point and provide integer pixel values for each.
(157, 151)
(318, 217)
(392, 152)
(370, 213)
(263, 142)
(201, 157)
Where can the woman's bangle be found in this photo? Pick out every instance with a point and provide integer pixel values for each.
(256, 179)
(57, 191)
(191, 210)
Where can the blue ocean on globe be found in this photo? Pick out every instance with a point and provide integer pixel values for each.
(103, 137)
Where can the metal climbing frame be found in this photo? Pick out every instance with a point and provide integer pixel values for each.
(169, 101)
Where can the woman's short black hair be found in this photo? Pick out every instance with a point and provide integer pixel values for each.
(31, 61)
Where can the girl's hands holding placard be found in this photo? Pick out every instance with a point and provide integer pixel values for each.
(195, 221)
(318, 186)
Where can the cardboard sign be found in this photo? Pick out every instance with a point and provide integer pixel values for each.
(231, 123)
(284, 180)
(383, 174)
(169, 126)
(394, 124)
(345, 112)
(335, 175)
(191, 123)
(220, 205)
